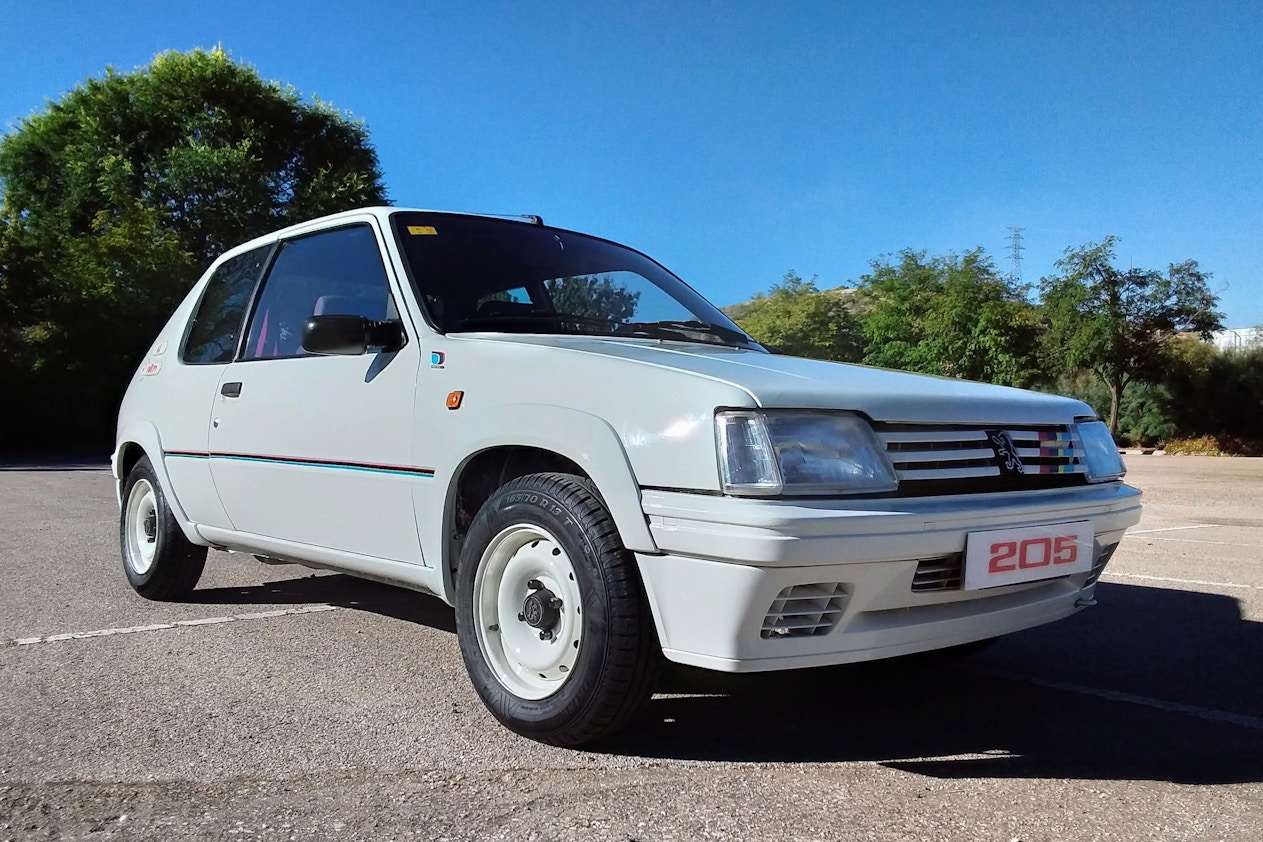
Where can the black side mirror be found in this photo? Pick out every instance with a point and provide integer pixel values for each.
(351, 335)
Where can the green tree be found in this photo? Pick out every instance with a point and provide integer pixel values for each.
(951, 316)
(1144, 417)
(117, 196)
(796, 318)
(1119, 323)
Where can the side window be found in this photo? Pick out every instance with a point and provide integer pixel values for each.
(335, 272)
(216, 325)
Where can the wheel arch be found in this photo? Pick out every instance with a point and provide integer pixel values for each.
(142, 439)
(514, 441)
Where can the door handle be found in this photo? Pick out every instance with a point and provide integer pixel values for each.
(231, 390)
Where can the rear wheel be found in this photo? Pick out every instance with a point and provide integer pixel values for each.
(553, 626)
(159, 561)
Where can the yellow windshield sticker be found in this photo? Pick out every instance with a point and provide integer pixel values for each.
(421, 229)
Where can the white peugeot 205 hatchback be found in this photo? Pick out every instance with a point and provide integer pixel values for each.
(595, 466)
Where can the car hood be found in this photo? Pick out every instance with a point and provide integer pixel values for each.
(775, 381)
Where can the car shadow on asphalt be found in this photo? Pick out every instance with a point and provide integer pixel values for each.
(1060, 701)
(340, 590)
(1129, 690)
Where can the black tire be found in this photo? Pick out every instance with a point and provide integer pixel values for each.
(160, 562)
(614, 669)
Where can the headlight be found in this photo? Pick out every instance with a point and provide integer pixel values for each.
(772, 453)
(1104, 463)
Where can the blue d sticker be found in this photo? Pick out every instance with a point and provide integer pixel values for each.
(437, 358)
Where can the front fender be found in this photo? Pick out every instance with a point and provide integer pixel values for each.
(585, 439)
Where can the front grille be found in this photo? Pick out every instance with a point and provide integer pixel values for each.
(932, 459)
(805, 610)
(939, 574)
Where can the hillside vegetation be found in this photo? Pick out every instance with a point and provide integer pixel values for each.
(1128, 342)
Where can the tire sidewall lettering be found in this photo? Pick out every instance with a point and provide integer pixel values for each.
(540, 501)
(551, 514)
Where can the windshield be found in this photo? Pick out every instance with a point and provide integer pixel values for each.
(476, 273)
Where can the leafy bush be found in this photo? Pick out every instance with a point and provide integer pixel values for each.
(1214, 446)
(1219, 394)
(798, 319)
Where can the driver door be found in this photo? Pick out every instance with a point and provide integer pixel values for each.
(317, 450)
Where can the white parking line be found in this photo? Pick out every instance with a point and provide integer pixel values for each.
(205, 621)
(1172, 528)
(1195, 541)
(1113, 575)
(1239, 719)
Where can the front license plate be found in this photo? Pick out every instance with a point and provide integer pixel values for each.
(1027, 554)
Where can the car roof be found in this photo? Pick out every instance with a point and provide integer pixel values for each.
(381, 212)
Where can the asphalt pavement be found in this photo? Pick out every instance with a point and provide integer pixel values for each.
(282, 704)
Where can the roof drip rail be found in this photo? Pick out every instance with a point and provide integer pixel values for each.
(534, 219)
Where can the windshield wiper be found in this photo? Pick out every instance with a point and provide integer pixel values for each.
(677, 330)
(669, 329)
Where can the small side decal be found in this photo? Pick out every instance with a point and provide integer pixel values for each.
(151, 368)
(437, 359)
(421, 230)
(160, 349)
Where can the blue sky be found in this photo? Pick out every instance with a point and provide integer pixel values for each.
(735, 141)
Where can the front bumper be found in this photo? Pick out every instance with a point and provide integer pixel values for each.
(728, 568)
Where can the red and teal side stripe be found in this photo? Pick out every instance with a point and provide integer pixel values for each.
(335, 464)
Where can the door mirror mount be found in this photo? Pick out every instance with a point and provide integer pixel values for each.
(386, 334)
(351, 335)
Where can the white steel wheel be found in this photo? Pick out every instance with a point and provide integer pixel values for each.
(159, 560)
(141, 527)
(528, 611)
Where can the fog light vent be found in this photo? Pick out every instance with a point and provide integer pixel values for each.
(1098, 566)
(805, 610)
(939, 574)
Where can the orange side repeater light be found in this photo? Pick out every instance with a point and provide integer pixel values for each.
(454, 399)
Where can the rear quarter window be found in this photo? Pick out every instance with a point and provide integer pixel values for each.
(215, 329)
